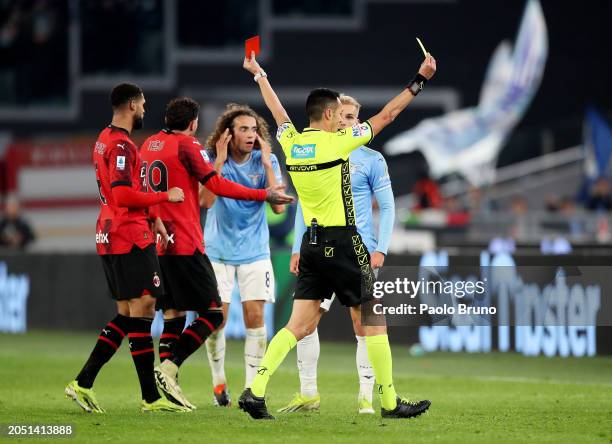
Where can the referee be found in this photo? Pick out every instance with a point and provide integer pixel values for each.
(333, 258)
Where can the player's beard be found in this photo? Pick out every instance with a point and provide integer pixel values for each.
(138, 122)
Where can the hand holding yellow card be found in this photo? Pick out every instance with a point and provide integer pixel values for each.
(422, 47)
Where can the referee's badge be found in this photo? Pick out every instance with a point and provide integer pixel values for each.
(329, 251)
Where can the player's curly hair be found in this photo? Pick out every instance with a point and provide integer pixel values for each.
(226, 120)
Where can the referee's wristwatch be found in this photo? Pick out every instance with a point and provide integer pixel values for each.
(417, 84)
(259, 75)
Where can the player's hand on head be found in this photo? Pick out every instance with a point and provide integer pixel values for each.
(294, 263)
(222, 144)
(276, 195)
(251, 65)
(428, 67)
(266, 149)
(176, 195)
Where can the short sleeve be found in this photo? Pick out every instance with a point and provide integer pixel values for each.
(120, 164)
(196, 160)
(348, 139)
(379, 174)
(285, 134)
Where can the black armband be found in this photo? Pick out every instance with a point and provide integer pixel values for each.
(417, 84)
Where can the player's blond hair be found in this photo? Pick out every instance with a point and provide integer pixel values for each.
(226, 120)
(348, 100)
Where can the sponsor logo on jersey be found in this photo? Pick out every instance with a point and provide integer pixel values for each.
(170, 238)
(121, 145)
(303, 151)
(302, 168)
(102, 238)
(121, 162)
(205, 155)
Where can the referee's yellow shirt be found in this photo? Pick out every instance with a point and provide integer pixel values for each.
(318, 164)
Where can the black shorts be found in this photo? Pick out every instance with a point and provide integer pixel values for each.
(190, 283)
(339, 264)
(133, 274)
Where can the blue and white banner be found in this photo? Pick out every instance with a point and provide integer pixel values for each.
(14, 291)
(597, 146)
(469, 140)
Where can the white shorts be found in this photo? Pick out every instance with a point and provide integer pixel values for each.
(326, 303)
(255, 280)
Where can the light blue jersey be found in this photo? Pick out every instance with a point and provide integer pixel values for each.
(236, 231)
(369, 176)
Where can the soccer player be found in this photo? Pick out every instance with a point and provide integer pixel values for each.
(369, 176)
(237, 236)
(333, 258)
(126, 244)
(174, 157)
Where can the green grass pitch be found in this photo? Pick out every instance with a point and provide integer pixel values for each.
(475, 398)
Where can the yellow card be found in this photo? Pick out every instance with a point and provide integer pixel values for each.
(422, 47)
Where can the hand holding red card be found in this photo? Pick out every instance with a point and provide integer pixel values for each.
(251, 45)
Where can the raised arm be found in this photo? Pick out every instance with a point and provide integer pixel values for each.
(268, 94)
(392, 109)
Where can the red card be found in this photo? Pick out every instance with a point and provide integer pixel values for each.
(251, 44)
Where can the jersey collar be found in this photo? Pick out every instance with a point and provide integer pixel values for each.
(118, 128)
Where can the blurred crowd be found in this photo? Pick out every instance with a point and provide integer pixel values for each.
(15, 231)
(32, 38)
(576, 217)
(120, 36)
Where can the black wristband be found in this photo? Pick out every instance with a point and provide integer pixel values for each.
(417, 84)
